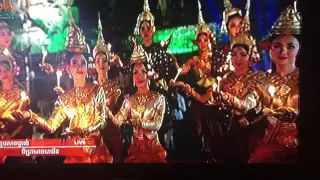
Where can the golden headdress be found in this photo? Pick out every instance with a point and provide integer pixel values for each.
(246, 19)
(144, 16)
(202, 26)
(138, 54)
(245, 36)
(75, 39)
(229, 11)
(100, 46)
(289, 22)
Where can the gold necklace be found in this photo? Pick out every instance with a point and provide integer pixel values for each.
(238, 82)
(79, 95)
(141, 100)
(284, 84)
(8, 95)
(200, 70)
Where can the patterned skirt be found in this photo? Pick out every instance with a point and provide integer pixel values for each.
(146, 151)
(100, 154)
(279, 145)
(274, 153)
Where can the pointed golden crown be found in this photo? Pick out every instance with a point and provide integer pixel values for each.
(144, 16)
(75, 39)
(202, 26)
(289, 22)
(246, 19)
(138, 54)
(229, 10)
(245, 36)
(100, 46)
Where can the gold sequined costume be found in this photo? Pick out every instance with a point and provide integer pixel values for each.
(111, 134)
(112, 91)
(239, 98)
(201, 78)
(201, 67)
(239, 89)
(149, 110)
(81, 108)
(241, 106)
(162, 62)
(146, 113)
(10, 101)
(77, 106)
(280, 142)
(239, 92)
(223, 62)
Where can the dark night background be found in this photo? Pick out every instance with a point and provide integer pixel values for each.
(119, 21)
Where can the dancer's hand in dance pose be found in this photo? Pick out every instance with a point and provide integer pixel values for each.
(47, 68)
(59, 90)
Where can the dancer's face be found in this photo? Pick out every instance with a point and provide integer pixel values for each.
(6, 72)
(78, 66)
(203, 43)
(101, 62)
(240, 59)
(146, 31)
(140, 75)
(284, 50)
(5, 38)
(234, 26)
